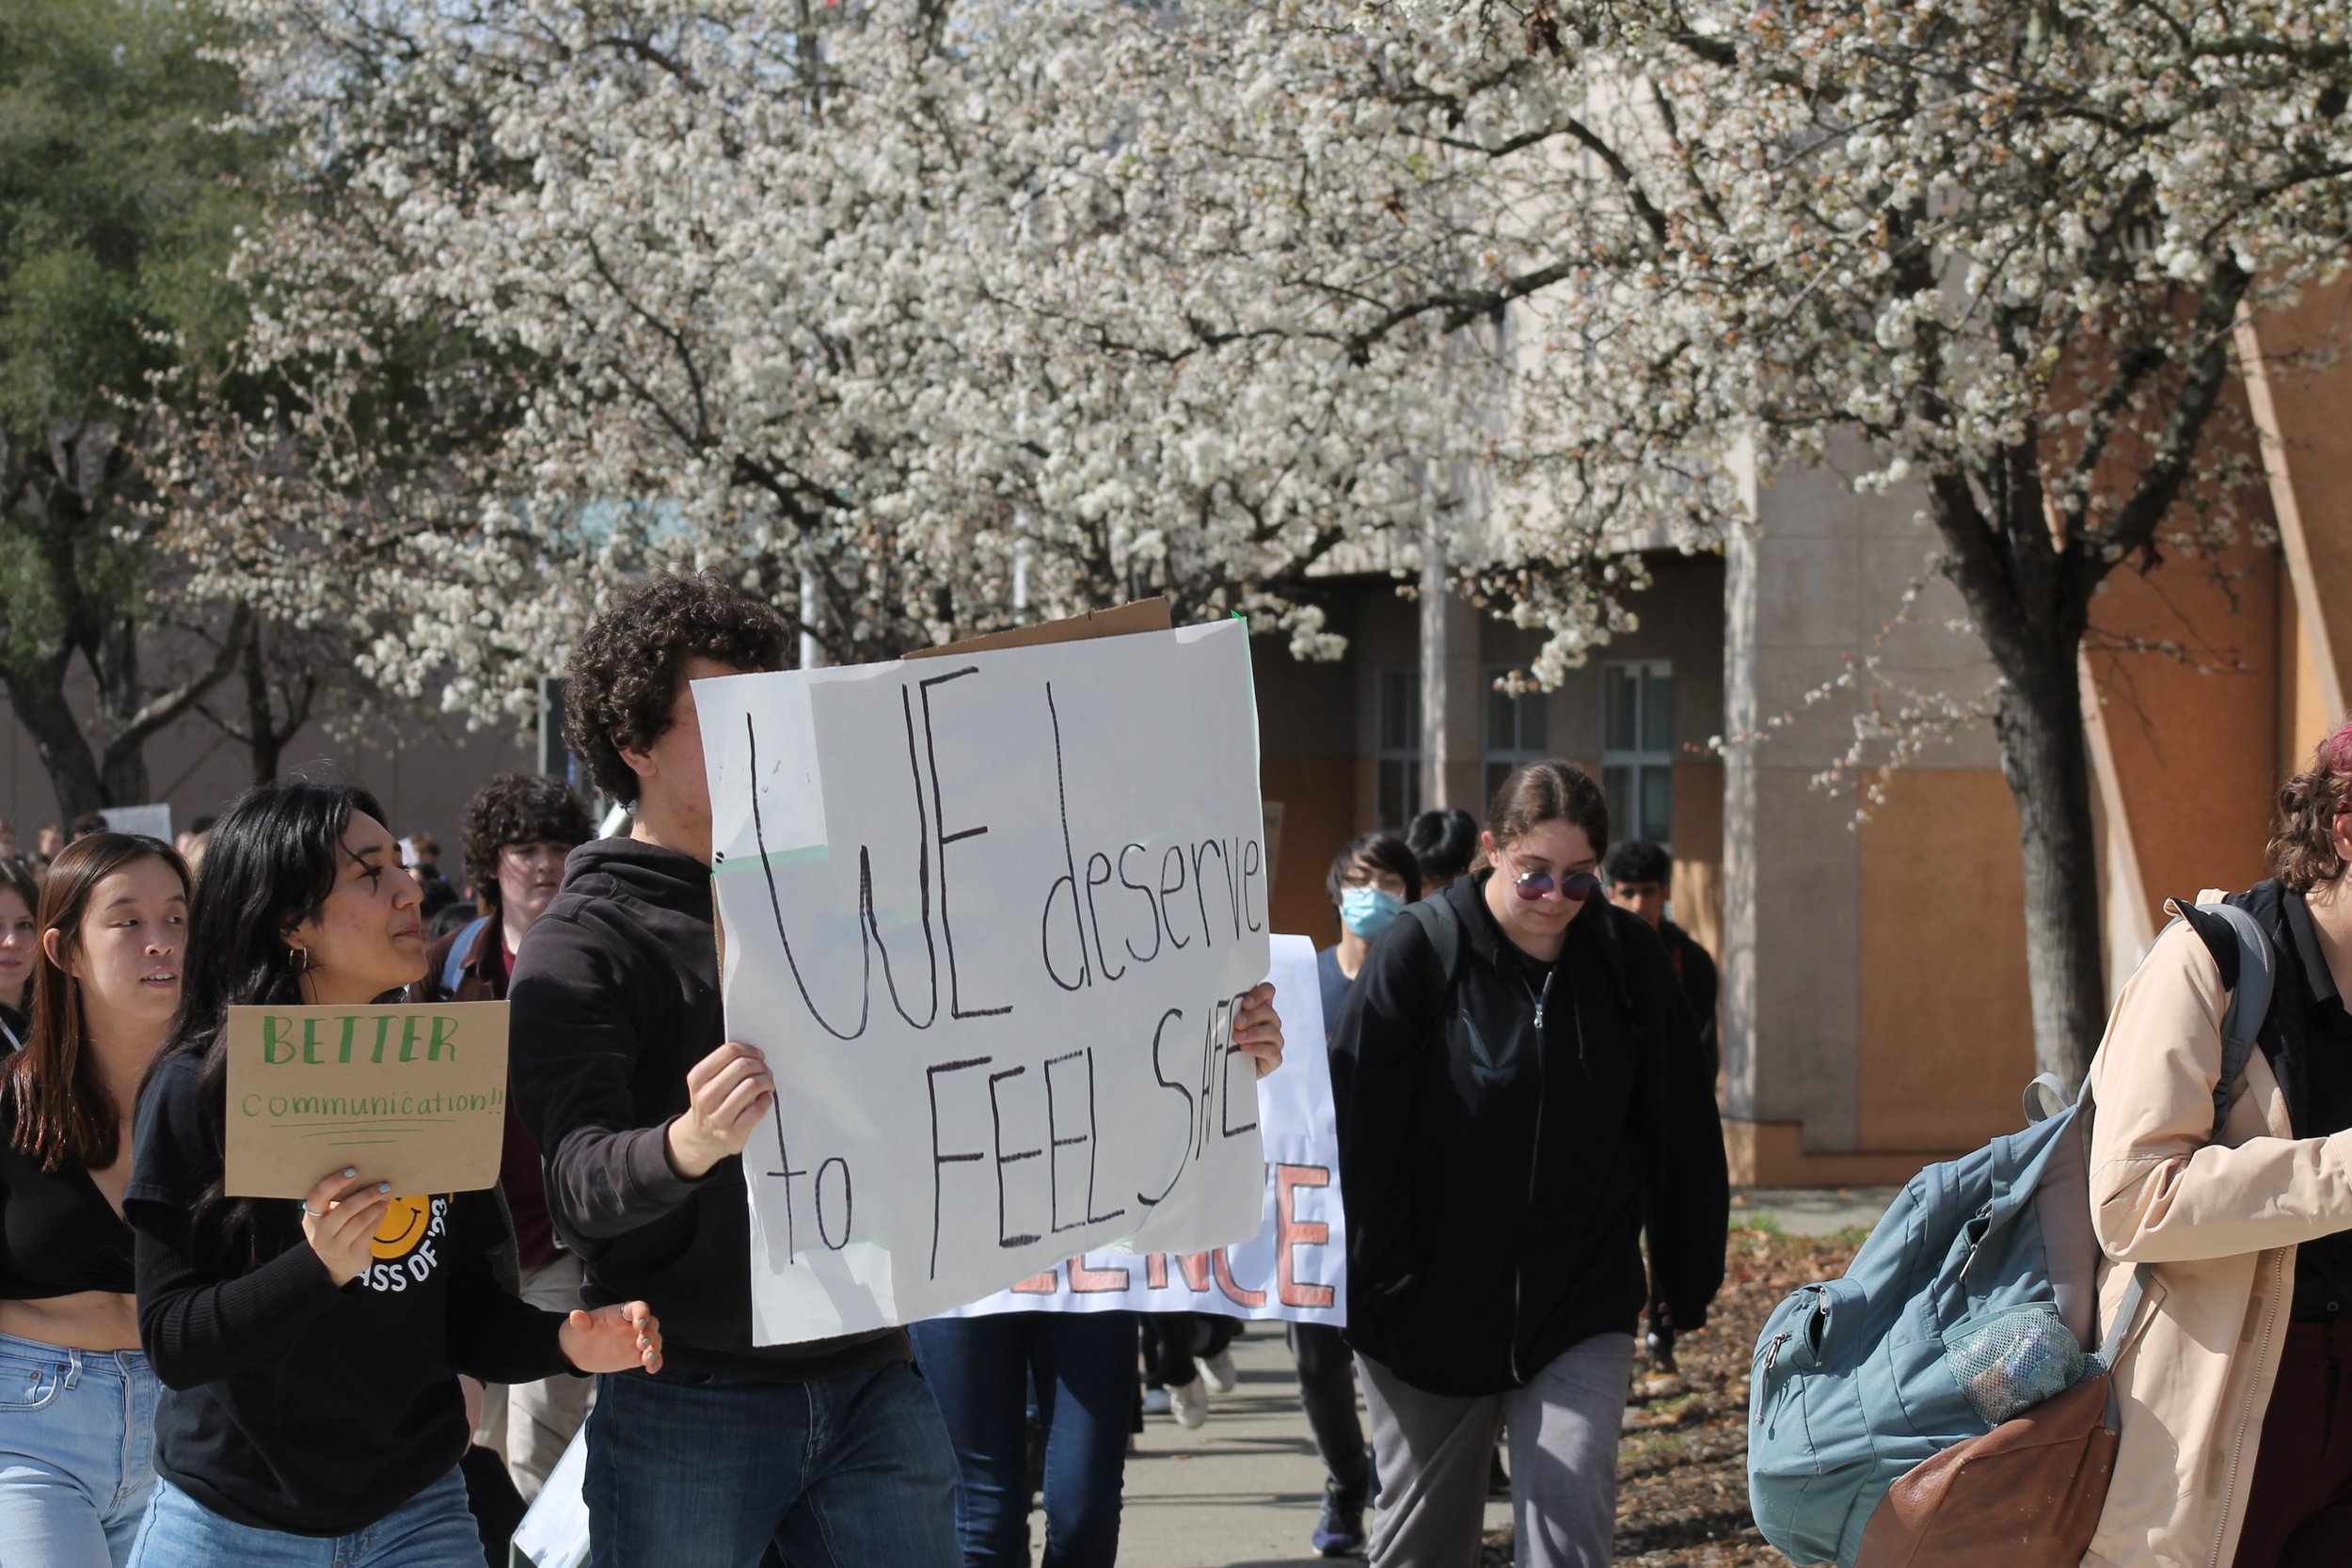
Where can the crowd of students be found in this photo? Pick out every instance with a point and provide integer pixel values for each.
(191, 1377)
(1532, 1162)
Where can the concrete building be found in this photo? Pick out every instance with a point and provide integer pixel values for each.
(1875, 1011)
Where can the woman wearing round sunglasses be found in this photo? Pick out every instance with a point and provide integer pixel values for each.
(1520, 1093)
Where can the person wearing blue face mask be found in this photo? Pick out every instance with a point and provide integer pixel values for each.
(1371, 879)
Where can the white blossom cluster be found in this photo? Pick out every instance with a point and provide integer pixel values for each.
(921, 316)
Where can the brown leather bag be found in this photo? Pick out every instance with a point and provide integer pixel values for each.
(2026, 1494)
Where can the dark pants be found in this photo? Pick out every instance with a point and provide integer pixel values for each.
(1326, 1388)
(1083, 1366)
(2298, 1510)
(1173, 1340)
(689, 1470)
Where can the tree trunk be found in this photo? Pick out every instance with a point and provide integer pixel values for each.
(264, 746)
(38, 697)
(2046, 758)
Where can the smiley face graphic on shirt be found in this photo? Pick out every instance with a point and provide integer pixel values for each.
(407, 1243)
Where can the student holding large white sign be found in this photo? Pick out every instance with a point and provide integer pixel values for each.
(821, 1440)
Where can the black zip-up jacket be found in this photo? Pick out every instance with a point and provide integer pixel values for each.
(614, 996)
(1496, 1177)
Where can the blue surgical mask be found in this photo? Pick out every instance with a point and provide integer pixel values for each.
(1368, 910)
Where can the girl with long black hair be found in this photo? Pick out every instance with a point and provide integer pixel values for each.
(309, 1352)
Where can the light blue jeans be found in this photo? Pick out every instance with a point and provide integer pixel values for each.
(77, 1454)
(432, 1530)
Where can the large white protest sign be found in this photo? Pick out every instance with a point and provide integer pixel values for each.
(989, 917)
(1295, 1266)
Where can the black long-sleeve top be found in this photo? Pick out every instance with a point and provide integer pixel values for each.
(289, 1404)
(1507, 1135)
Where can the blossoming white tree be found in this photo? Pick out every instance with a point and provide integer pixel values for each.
(921, 315)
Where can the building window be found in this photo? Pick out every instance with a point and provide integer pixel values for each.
(1637, 748)
(1397, 758)
(1518, 730)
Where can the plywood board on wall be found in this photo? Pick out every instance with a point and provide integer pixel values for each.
(1946, 1033)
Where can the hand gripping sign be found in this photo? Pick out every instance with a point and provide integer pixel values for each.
(989, 917)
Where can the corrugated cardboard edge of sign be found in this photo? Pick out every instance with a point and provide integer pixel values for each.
(1118, 621)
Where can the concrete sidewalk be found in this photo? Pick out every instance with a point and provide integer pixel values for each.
(1811, 1211)
(1244, 1490)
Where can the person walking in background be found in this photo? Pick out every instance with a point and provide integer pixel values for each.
(1640, 880)
(1371, 880)
(77, 1417)
(309, 1350)
(517, 830)
(1520, 1094)
(20, 948)
(2236, 1386)
(1444, 842)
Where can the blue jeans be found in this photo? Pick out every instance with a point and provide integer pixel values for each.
(432, 1530)
(77, 1452)
(694, 1470)
(1083, 1366)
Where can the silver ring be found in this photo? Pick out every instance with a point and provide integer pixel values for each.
(308, 1210)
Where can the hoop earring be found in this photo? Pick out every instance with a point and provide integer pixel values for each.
(302, 961)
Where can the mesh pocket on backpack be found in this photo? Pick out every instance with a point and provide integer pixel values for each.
(2015, 1359)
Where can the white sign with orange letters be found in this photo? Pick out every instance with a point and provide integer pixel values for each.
(1295, 1266)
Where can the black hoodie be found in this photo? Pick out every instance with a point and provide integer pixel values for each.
(1498, 1175)
(614, 996)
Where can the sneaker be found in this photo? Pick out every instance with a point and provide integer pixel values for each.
(1189, 1404)
(1155, 1402)
(1220, 1370)
(1339, 1532)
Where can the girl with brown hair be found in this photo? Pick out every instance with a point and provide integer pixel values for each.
(77, 1397)
(2235, 1383)
(20, 946)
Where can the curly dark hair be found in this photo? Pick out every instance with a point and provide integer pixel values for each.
(518, 808)
(624, 676)
(2303, 848)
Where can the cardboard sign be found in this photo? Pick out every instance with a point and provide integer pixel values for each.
(412, 1095)
(1296, 1267)
(988, 915)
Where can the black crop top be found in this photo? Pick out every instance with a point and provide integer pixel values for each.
(58, 1235)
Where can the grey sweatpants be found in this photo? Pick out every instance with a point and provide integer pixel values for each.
(1433, 1453)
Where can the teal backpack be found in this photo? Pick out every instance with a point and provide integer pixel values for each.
(1974, 1300)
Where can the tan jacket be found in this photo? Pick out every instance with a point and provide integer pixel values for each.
(2221, 1222)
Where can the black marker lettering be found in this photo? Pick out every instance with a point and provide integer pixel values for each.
(1094, 1145)
(1175, 857)
(1171, 1016)
(1069, 879)
(930, 1078)
(848, 1202)
(996, 1116)
(939, 814)
(1128, 881)
(785, 1172)
(1252, 864)
(1055, 1142)
(1095, 920)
